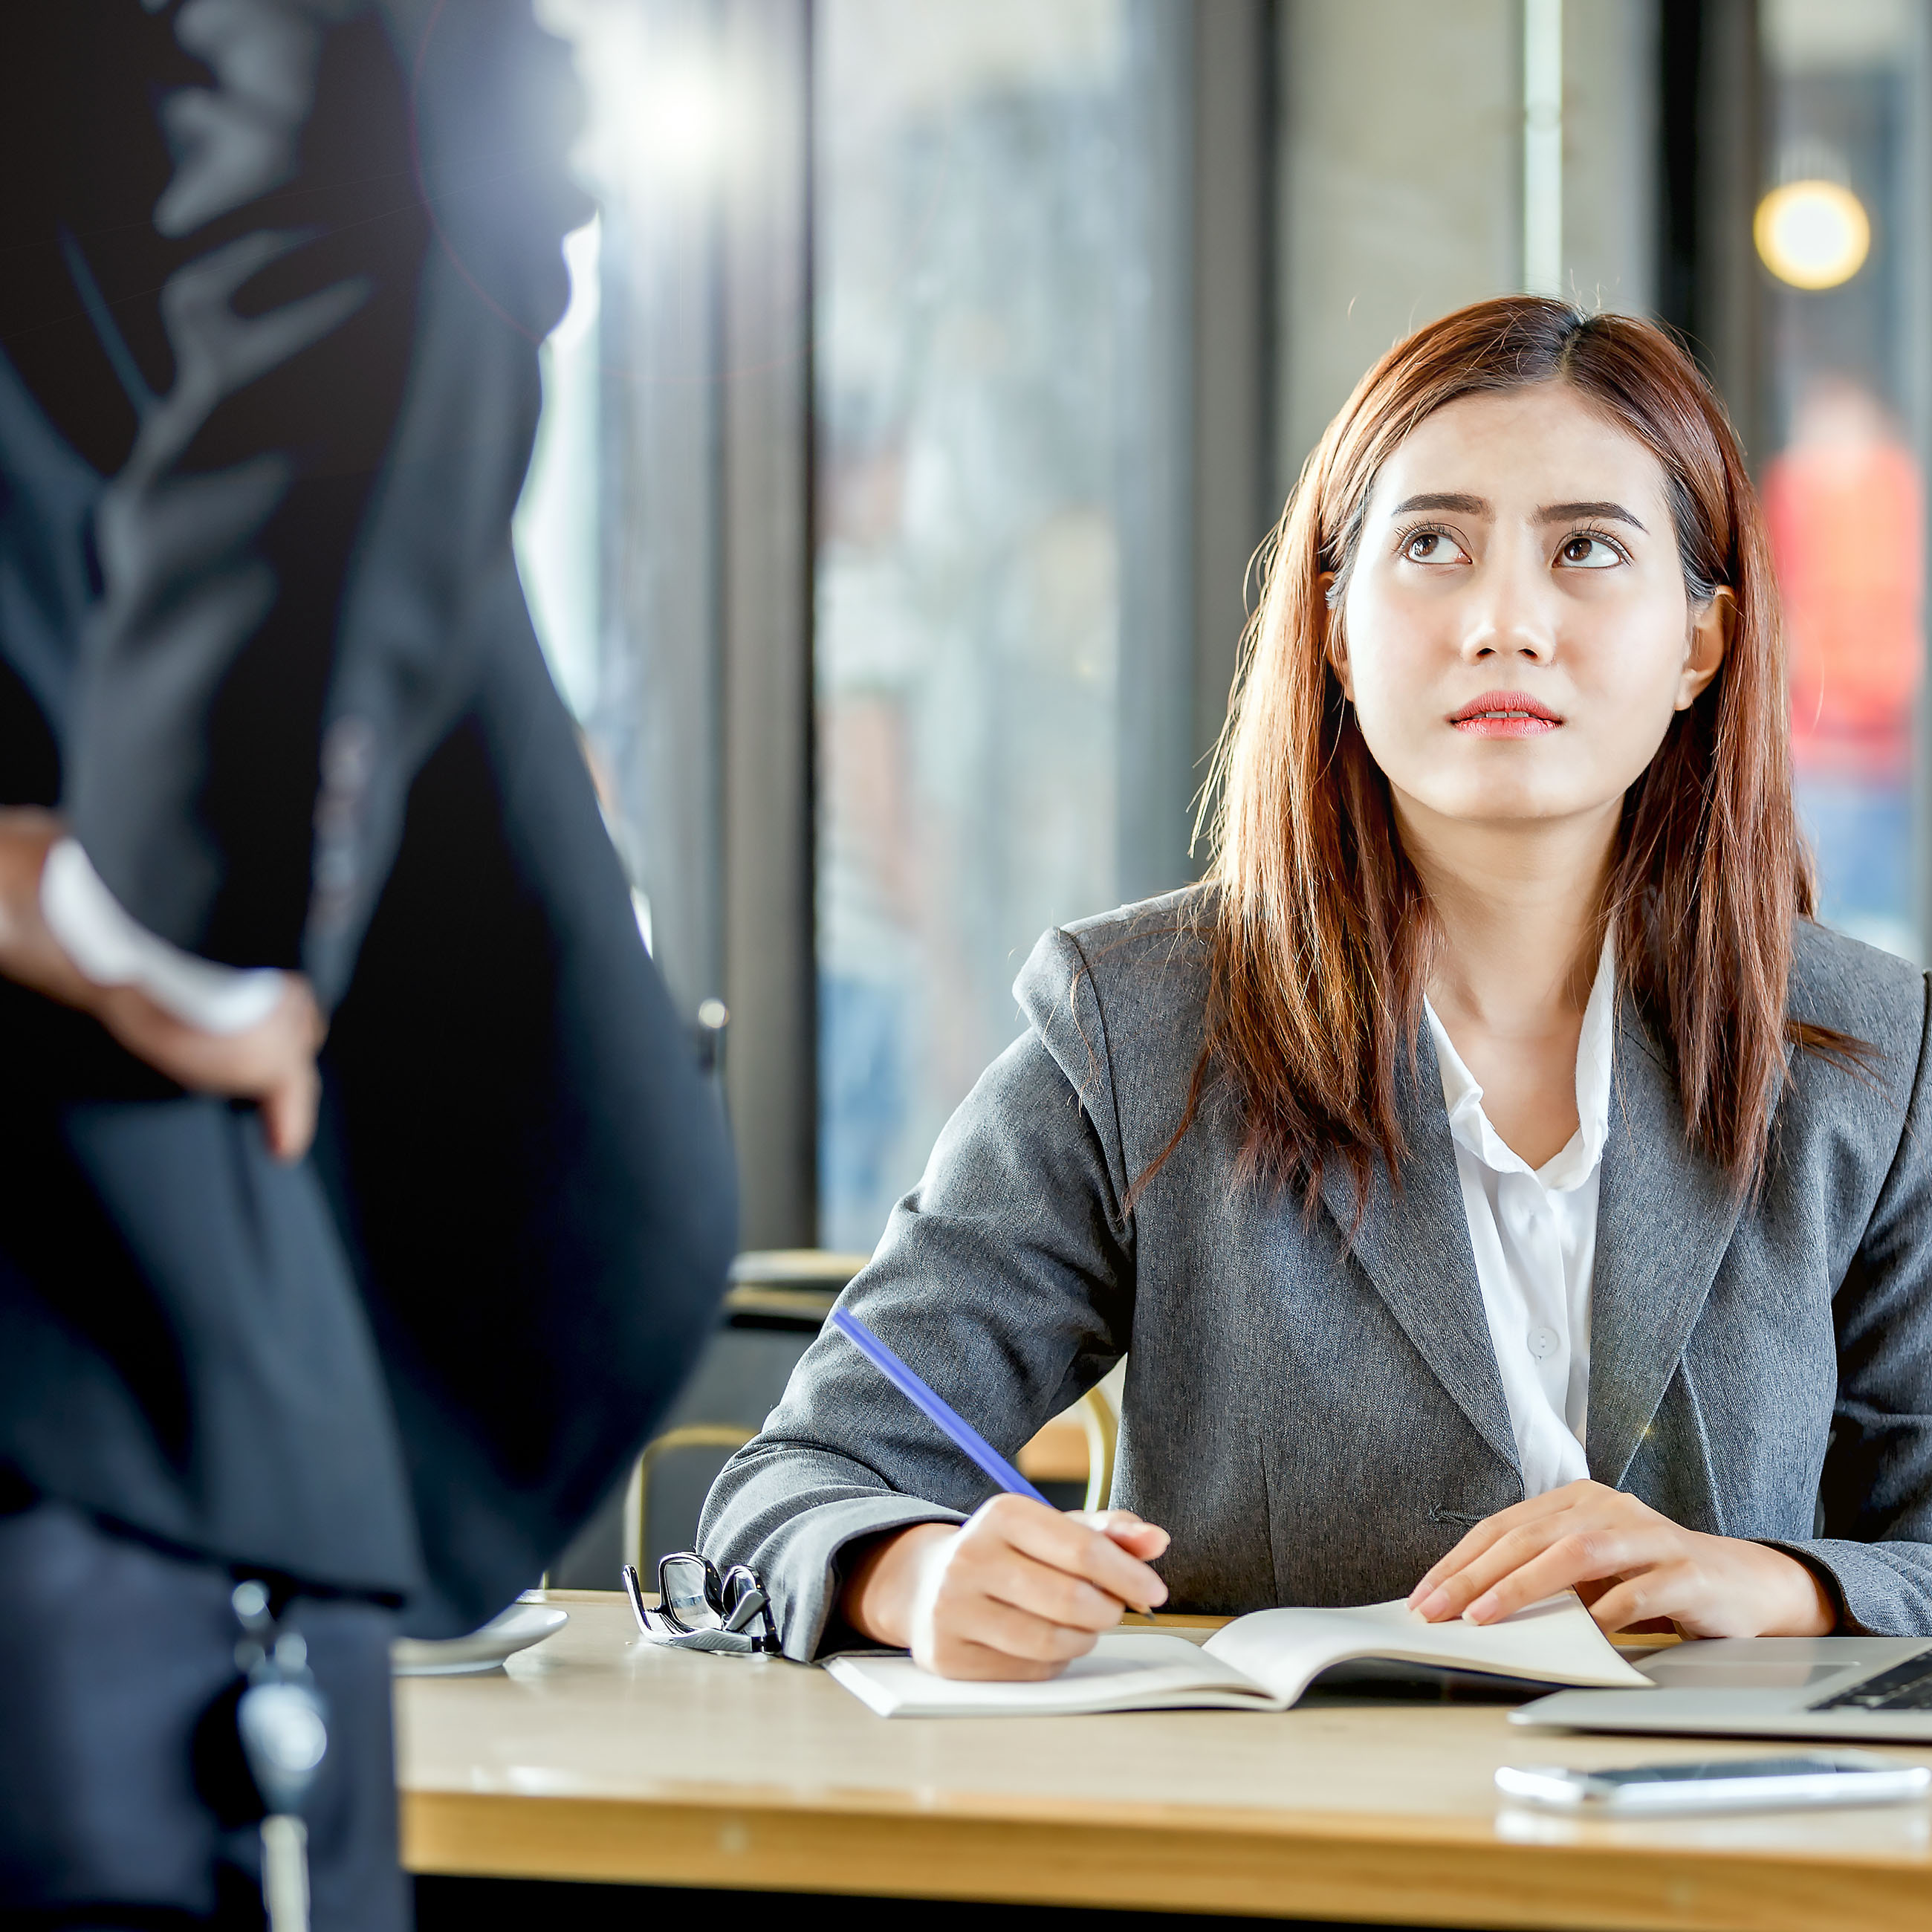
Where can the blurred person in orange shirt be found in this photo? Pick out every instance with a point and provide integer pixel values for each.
(1844, 503)
(1846, 506)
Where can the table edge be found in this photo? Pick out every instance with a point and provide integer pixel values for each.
(1172, 1858)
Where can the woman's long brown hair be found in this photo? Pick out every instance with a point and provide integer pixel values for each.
(1320, 927)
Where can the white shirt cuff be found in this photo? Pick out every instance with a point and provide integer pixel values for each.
(110, 949)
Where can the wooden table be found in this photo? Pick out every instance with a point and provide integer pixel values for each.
(599, 1757)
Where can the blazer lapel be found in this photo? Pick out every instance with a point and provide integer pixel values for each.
(1415, 1247)
(1665, 1215)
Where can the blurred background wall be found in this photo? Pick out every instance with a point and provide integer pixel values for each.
(935, 366)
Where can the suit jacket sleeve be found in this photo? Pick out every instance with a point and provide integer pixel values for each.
(1875, 1496)
(1005, 1280)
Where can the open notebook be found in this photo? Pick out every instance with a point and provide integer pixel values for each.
(1260, 1662)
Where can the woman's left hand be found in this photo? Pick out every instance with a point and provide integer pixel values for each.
(1630, 1563)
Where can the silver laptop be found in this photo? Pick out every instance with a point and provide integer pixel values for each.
(1875, 1689)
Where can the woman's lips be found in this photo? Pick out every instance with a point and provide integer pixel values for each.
(1504, 714)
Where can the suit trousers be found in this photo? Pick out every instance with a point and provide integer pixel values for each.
(124, 1801)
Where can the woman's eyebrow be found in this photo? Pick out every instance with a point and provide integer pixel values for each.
(1562, 513)
(1445, 500)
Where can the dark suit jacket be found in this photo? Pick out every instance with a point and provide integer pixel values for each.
(1312, 1408)
(274, 277)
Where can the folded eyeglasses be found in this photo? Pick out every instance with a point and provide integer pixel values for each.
(699, 1610)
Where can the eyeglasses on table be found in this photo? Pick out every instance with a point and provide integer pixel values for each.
(699, 1610)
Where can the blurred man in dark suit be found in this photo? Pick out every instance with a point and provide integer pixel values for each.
(361, 1203)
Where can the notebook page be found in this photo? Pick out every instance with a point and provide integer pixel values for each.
(1126, 1670)
(1555, 1642)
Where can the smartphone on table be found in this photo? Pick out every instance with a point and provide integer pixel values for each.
(1718, 1784)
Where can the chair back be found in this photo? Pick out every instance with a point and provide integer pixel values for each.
(637, 1496)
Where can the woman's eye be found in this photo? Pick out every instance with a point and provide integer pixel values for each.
(1432, 546)
(1582, 553)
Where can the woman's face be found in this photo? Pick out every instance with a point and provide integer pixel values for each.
(1516, 632)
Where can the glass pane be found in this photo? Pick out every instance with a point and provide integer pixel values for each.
(979, 265)
(1841, 234)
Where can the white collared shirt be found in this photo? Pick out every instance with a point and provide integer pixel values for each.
(1534, 1233)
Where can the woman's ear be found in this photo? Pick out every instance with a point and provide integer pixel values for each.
(1711, 629)
(1334, 639)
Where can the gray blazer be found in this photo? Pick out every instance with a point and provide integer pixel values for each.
(1316, 1420)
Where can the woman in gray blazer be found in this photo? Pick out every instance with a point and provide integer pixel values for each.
(1494, 1180)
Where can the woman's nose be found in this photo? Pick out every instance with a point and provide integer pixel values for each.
(1507, 620)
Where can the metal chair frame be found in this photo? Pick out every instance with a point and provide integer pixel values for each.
(637, 1497)
(1102, 1428)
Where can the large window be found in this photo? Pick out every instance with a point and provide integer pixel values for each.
(939, 363)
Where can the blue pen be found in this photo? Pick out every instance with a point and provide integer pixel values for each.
(941, 1414)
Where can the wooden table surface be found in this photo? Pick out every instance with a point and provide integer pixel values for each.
(597, 1756)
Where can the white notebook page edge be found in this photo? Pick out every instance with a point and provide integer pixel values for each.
(1134, 1664)
(1554, 1642)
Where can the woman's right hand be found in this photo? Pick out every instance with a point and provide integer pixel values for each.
(1016, 1592)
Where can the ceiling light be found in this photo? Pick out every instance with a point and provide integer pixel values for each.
(1812, 234)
